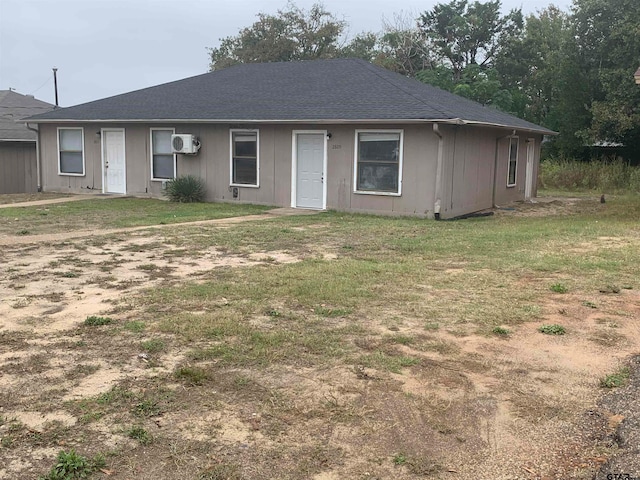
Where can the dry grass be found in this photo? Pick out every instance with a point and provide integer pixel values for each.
(336, 346)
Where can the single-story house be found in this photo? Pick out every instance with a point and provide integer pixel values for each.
(326, 134)
(18, 149)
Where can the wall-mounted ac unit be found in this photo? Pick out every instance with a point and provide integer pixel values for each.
(185, 143)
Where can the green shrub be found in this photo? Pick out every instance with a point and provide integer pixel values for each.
(186, 189)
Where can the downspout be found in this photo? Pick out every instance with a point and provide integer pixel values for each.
(38, 169)
(495, 167)
(438, 200)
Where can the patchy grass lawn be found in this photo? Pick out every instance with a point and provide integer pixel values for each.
(324, 346)
(112, 213)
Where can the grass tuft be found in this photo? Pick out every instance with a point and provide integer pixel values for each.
(191, 375)
(95, 321)
(553, 329)
(501, 331)
(71, 466)
(140, 434)
(615, 380)
(559, 288)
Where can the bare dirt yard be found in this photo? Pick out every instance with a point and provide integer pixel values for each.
(321, 346)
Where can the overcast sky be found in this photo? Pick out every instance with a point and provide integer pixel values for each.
(106, 47)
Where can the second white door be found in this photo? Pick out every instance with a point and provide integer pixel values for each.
(113, 161)
(310, 155)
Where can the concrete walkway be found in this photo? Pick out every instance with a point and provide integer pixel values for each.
(7, 240)
(50, 201)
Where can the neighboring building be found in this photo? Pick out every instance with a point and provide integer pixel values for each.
(18, 167)
(637, 76)
(327, 134)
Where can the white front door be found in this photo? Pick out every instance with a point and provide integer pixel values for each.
(309, 166)
(113, 161)
(528, 182)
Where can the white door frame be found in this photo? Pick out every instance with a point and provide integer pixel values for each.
(528, 180)
(124, 152)
(294, 165)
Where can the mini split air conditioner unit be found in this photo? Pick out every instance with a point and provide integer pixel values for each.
(185, 143)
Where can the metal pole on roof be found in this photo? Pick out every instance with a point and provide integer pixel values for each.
(55, 83)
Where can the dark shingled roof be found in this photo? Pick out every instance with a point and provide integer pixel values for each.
(15, 106)
(315, 91)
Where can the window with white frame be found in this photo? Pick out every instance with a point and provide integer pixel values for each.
(244, 158)
(513, 161)
(71, 151)
(378, 162)
(163, 161)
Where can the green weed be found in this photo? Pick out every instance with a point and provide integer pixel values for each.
(615, 380)
(154, 345)
(554, 329)
(501, 331)
(70, 466)
(559, 288)
(95, 321)
(140, 434)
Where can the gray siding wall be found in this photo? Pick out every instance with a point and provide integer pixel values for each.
(467, 184)
(506, 194)
(18, 170)
(469, 159)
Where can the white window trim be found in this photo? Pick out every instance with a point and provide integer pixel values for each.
(244, 130)
(400, 162)
(515, 176)
(175, 157)
(60, 172)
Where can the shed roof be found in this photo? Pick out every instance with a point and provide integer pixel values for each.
(319, 91)
(15, 106)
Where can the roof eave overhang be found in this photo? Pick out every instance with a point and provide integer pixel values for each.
(312, 121)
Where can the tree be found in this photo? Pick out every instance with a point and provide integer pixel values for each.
(607, 35)
(364, 45)
(292, 34)
(463, 34)
(529, 64)
(403, 47)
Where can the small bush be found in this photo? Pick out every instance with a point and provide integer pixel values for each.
(94, 321)
(186, 189)
(554, 329)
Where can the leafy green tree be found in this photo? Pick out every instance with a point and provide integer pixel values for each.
(364, 45)
(529, 64)
(291, 34)
(607, 35)
(464, 33)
